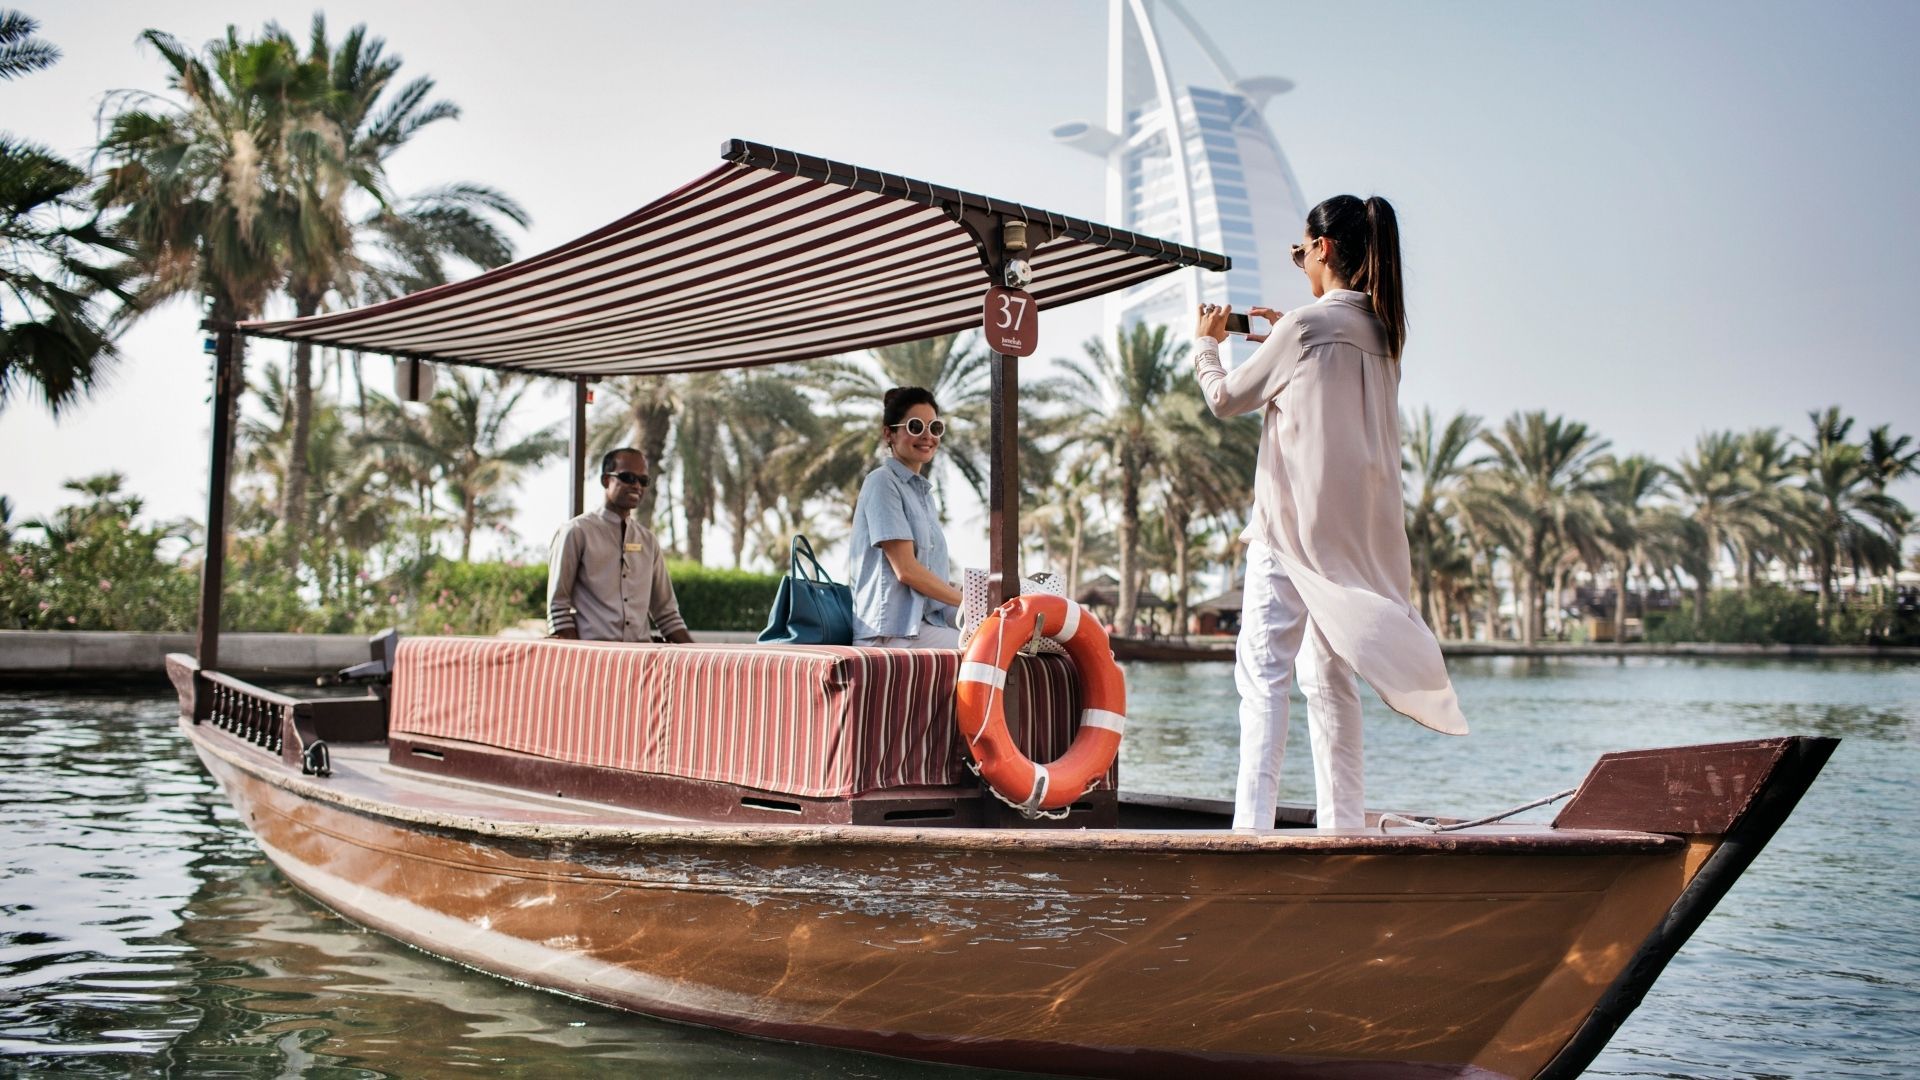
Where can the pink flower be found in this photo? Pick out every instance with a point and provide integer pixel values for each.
(71, 620)
(44, 606)
(105, 585)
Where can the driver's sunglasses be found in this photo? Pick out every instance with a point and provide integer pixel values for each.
(917, 427)
(637, 479)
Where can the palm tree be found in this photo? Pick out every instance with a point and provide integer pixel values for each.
(1888, 460)
(360, 131)
(1852, 520)
(1539, 480)
(464, 441)
(1116, 392)
(54, 339)
(1203, 467)
(768, 436)
(204, 184)
(1721, 508)
(952, 366)
(1772, 525)
(1631, 523)
(1437, 464)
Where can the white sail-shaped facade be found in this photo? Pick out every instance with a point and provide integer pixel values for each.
(1194, 161)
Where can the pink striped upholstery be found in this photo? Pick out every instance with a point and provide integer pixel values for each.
(814, 721)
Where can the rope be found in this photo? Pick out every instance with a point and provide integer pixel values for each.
(1433, 826)
(999, 636)
(1029, 809)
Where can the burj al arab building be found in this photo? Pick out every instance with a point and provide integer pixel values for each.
(1190, 158)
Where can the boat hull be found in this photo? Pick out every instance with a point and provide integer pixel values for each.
(1112, 954)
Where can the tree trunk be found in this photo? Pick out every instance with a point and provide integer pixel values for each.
(467, 514)
(1493, 597)
(1075, 546)
(652, 420)
(1703, 582)
(1528, 604)
(1825, 570)
(737, 517)
(1554, 600)
(1123, 608)
(293, 500)
(1423, 567)
(1177, 521)
(1621, 571)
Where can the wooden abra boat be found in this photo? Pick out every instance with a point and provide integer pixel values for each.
(788, 842)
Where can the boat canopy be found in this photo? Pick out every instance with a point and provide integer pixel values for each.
(812, 257)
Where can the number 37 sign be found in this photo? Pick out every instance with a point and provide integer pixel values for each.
(1012, 322)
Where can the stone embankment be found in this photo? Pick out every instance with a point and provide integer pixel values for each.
(92, 658)
(82, 658)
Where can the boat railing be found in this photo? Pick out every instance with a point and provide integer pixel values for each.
(296, 730)
(259, 716)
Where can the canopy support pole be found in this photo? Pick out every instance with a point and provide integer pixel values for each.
(577, 443)
(988, 230)
(1003, 481)
(226, 391)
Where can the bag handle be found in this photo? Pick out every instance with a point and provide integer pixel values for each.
(798, 547)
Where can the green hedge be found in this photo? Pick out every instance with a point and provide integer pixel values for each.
(484, 598)
(714, 599)
(1770, 615)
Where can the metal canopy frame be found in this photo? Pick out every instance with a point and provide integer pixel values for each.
(1091, 259)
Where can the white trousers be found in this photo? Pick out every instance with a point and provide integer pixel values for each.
(1273, 627)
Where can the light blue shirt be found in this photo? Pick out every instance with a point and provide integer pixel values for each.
(895, 504)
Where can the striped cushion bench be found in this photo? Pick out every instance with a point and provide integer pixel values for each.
(809, 721)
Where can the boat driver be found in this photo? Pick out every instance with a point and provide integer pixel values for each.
(607, 577)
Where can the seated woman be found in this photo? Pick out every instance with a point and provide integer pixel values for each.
(901, 596)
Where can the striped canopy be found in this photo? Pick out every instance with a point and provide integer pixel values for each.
(772, 256)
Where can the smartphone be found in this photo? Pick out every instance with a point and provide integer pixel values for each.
(1237, 324)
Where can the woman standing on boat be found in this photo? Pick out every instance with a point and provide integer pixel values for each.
(901, 596)
(1327, 562)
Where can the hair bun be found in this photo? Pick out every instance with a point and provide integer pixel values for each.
(890, 396)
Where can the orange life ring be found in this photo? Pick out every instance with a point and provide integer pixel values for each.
(980, 702)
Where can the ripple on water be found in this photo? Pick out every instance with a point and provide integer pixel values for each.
(141, 933)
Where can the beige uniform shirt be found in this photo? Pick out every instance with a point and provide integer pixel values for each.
(606, 578)
(1326, 494)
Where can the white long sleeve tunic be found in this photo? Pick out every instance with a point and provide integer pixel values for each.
(1326, 495)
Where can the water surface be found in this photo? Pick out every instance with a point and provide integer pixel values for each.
(141, 932)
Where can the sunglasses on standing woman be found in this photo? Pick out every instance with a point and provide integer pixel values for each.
(917, 427)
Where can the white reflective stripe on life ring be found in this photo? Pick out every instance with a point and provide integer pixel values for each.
(1101, 718)
(1071, 626)
(974, 671)
(1041, 779)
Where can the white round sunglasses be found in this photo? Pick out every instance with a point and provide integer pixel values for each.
(917, 427)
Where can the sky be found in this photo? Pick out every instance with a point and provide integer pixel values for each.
(1656, 218)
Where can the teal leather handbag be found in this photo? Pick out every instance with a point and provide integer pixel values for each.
(810, 608)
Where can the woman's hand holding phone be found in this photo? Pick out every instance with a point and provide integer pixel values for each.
(1219, 320)
(1213, 322)
(1272, 316)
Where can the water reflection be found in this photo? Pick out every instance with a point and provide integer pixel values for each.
(288, 985)
(142, 934)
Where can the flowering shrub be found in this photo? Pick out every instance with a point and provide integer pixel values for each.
(96, 570)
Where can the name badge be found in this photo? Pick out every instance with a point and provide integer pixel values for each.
(636, 547)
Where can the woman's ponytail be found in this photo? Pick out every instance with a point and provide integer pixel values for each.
(1381, 277)
(1366, 252)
